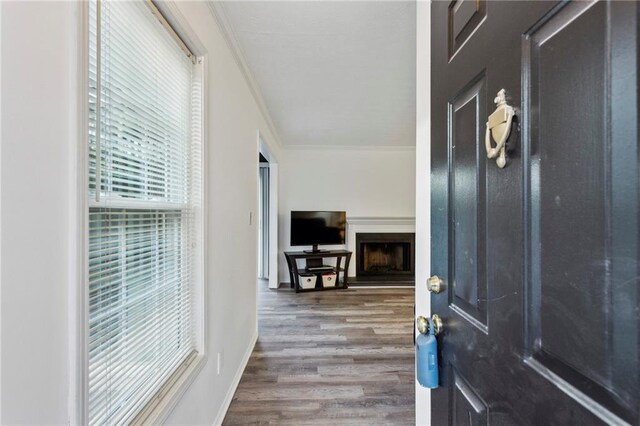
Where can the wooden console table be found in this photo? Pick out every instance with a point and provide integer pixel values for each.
(315, 261)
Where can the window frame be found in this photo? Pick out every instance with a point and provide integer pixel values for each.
(160, 406)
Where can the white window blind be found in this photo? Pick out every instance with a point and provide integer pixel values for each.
(144, 116)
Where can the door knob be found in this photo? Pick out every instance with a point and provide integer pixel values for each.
(437, 324)
(423, 324)
(435, 284)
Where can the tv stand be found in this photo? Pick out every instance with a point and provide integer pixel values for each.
(314, 265)
(315, 249)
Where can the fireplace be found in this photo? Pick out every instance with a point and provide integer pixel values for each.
(385, 255)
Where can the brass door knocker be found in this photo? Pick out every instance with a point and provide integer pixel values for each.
(498, 128)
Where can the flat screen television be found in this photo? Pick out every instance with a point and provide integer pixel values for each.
(314, 228)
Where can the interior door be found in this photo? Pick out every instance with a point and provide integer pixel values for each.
(540, 258)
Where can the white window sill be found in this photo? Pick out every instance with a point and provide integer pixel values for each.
(159, 408)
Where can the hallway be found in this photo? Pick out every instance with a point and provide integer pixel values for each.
(331, 357)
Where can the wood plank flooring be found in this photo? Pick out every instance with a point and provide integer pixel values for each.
(342, 357)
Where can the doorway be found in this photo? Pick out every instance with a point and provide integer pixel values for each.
(263, 218)
(267, 217)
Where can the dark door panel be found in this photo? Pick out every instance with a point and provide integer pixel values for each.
(580, 303)
(467, 185)
(468, 407)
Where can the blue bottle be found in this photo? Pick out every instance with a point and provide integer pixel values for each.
(427, 358)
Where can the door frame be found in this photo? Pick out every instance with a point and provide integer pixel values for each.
(423, 184)
(268, 153)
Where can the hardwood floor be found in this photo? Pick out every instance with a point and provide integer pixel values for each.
(341, 357)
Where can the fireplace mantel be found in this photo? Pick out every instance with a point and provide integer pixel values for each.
(375, 224)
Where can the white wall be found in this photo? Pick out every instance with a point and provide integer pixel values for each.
(423, 181)
(0, 215)
(38, 83)
(363, 182)
(39, 139)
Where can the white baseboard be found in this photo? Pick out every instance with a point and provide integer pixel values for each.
(236, 381)
(373, 287)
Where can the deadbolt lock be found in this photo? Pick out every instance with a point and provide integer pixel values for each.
(435, 284)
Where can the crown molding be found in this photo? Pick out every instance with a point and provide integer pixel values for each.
(217, 10)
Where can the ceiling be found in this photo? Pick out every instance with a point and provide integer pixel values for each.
(332, 73)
